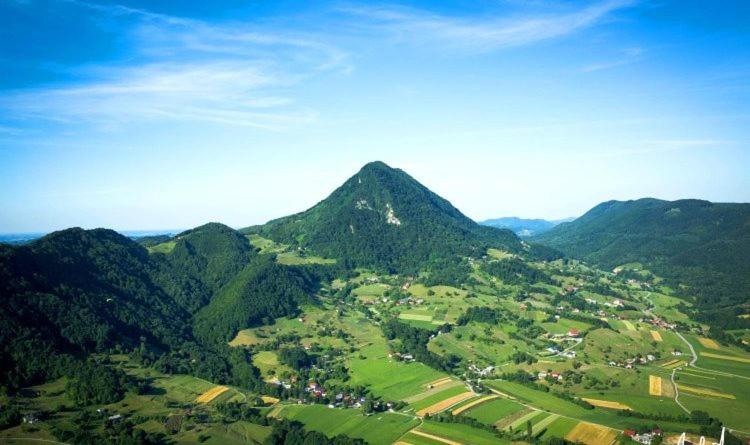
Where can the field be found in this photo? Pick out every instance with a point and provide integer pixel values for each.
(707, 342)
(445, 403)
(591, 434)
(656, 336)
(606, 403)
(494, 410)
(211, 394)
(379, 428)
(444, 433)
(472, 404)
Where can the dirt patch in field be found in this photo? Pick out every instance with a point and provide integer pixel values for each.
(471, 405)
(656, 335)
(447, 403)
(726, 357)
(591, 434)
(654, 385)
(705, 392)
(211, 394)
(606, 404)
(708, 343)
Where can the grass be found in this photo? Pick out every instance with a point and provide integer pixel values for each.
(386, 377)
(491, 411)
(461, 433)
(165, 247)
(380, 428)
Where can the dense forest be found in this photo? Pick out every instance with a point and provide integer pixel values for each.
(383, 218)
(703, 245)
(77, 291)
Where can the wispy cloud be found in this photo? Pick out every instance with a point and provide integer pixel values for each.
(239, 74)
(627, 56)
(485, 33)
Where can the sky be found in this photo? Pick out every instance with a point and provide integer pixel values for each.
(154, 115)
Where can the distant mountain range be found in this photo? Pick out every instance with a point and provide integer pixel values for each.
(23, 238)
(700, 244)
(524, 227)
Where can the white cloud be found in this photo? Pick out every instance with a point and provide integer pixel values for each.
(484, 33)
(238, 74)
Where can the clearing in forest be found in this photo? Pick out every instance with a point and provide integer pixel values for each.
(606, 404)
(211, 394)
(708, 343)
(656, 335)
(591, 434)
(447, 403)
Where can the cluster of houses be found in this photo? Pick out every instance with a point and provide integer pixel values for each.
(632, 362)
(401, 357)
(659, 323)
(553, 375)
(482, 372)
(573, 335)
(644, 438)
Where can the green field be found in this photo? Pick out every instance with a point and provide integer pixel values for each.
(493, 410)
(378, 428)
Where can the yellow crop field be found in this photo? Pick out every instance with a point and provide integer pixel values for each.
(440, 406)
(673, 364)
(606, 404)
(211, 394)
(726, 357)
(707, 342)
(268, 400)
(471, 405)
(705, 392)
(656, 335)
(591, 434)
(654, 385)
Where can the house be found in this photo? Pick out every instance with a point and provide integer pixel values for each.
(574, 333)
(32, 418)
(629, 433)
(115, 419)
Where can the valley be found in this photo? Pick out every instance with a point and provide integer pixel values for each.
(356, 330)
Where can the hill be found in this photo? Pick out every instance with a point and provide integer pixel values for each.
(76, 292)
(383, 218)
(523, 227)
(703, 245)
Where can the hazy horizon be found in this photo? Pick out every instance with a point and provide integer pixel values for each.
(137, 114)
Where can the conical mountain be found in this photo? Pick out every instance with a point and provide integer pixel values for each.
(383, 218)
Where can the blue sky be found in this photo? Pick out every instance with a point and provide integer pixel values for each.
(148, 115)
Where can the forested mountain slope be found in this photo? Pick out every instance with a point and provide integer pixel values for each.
(79, 291)
(698, 243)
(382, 217)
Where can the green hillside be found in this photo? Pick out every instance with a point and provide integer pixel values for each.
(703, 245)
(77, 292)
(382, 217)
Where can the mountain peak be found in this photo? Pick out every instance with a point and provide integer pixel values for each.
(382, 217)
